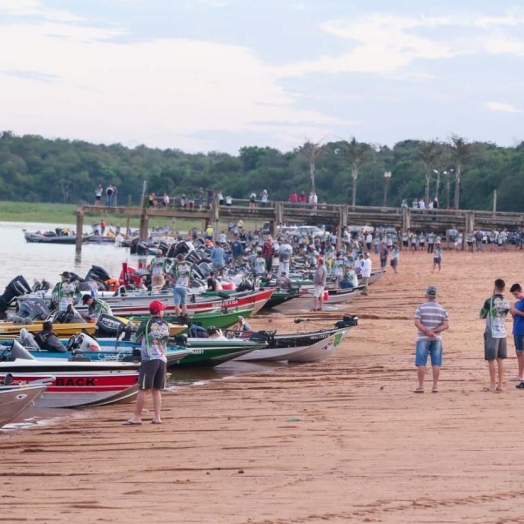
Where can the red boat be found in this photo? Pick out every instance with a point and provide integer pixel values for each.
(80, 389)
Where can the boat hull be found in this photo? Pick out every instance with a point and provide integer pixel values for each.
(292, 348)
(80, 390)
(15, 399)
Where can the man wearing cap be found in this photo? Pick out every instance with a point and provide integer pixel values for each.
(153, 334)
(64, 292)
(157, 268)
(96, 308)
(430, 320)
(181, 274)
(365, 272)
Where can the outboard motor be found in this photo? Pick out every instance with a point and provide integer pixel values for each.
(183, 248)
(16, 288)
(27, 340)
(33, 308)
(205, 269)
(109, 326)
(164, 247)
(196, 272)
(142, 248)
(97, 273)
(193, 257)
(133, 246)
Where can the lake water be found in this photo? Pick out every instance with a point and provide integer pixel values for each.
(18, 257)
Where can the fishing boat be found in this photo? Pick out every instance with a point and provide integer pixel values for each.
(83, 347)
(205, 352)
(332, 297)
(14, 399)
(217, 319)
(80, 389)
(312, 346)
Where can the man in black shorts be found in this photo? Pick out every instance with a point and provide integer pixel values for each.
(153, 334)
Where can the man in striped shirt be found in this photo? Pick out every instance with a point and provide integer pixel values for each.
(430, 319)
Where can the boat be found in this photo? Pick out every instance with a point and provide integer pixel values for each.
(306, 300)
(312, 346)
(82, 346)
(17, 358)
(217, 319)
(14, 399)
(80, 389)
(38, 238)
(205, 352)
(73, 323)
(238, 301)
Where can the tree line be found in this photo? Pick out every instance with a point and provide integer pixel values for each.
(460, 173)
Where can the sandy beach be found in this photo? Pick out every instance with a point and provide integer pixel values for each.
(341, 441)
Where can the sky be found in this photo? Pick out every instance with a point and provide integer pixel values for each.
(218, 75)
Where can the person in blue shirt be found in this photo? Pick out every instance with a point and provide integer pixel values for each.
(237, 250)
(517, 311)
(217, 257)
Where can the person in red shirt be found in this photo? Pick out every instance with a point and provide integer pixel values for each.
(268, 253)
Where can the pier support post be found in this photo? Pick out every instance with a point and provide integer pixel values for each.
(79, 229)
(406, 219)
(144, 225)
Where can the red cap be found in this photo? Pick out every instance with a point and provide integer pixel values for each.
(156, 306)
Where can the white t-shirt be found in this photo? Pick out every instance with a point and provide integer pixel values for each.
(365, 270)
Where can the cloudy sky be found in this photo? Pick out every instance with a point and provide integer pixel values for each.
(203, 75)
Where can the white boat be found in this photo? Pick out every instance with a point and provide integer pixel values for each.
(299, 347)
(14, 399)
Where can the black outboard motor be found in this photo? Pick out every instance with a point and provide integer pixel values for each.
(97, 273)
(142, 248)
(16, 288)
(205, 269)
(164, 247)
(133, 246)
(109, 326)
(196, 272)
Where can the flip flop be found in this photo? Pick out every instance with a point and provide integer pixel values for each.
(155, 422)
(418, 390)
(131, 423)
(491, 390)
(434, 390)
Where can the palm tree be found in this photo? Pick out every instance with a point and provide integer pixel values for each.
(356, 154)
(430, 153)
(461, 151)
(312, 151)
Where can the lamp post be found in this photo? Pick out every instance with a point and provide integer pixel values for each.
(438, 183)
(387, 177)
(448, 175)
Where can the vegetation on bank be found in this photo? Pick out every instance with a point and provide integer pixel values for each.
(465, 174)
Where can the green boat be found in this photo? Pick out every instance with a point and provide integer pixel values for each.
(218, 319)
(212, 352)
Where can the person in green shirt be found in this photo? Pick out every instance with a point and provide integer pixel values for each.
(96, 307)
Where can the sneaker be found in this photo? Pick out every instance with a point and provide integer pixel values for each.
(520, 386)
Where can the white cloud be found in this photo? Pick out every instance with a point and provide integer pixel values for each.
(35, 8)
(383, 44)
(501, 106)
(165, 91)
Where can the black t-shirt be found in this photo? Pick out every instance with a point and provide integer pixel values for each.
(211, 284)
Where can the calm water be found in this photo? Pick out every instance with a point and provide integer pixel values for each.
(18, 257)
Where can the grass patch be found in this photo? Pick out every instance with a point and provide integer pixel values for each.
(66, 214)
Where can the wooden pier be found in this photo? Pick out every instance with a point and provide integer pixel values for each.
(339, 216)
